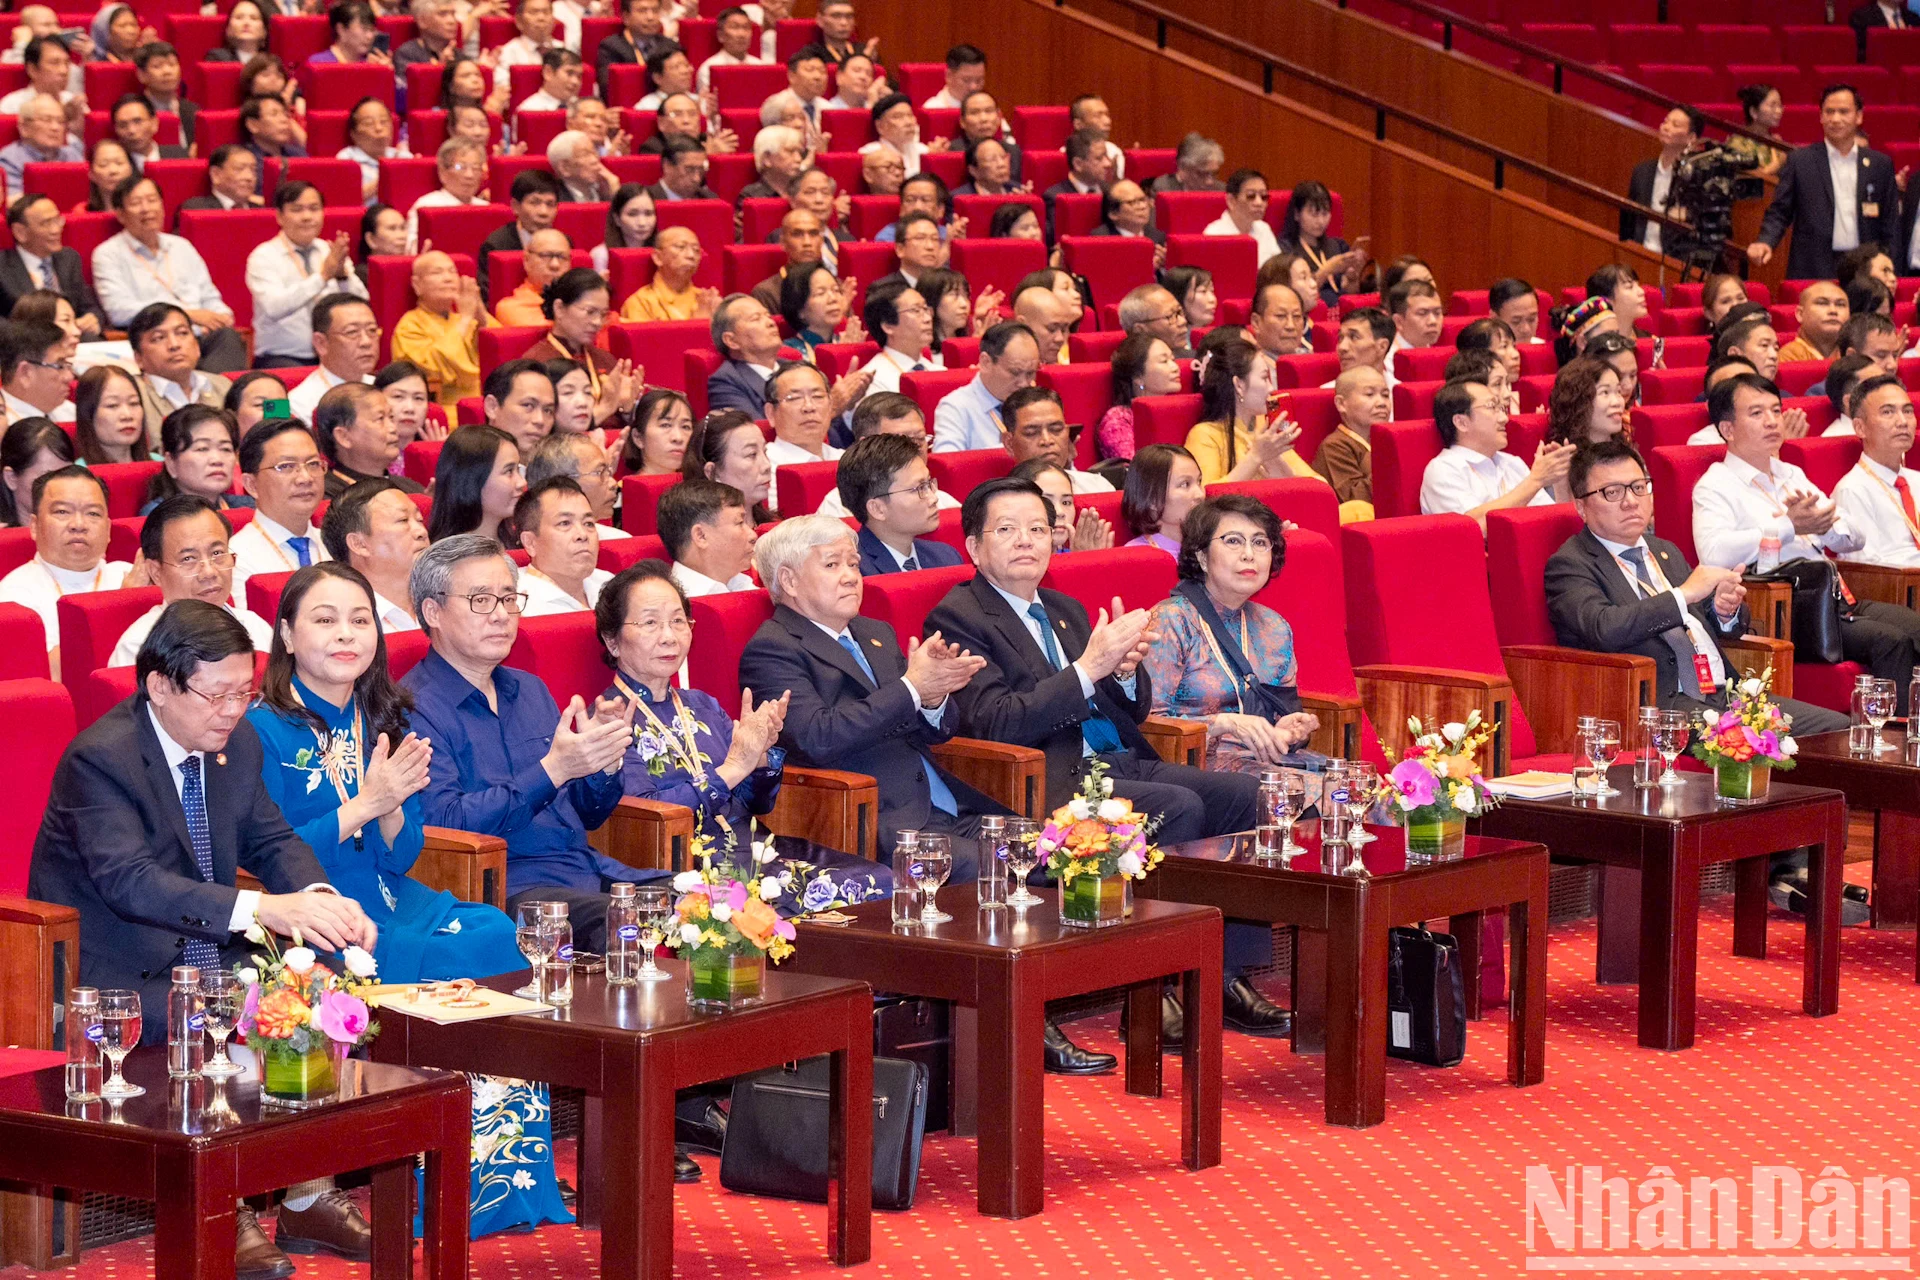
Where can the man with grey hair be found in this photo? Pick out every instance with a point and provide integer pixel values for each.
(780, 156)
(1151, 308)
(43, 140)
(462, 166)
(438, 22)
(580, 457)
(1196, 167)
(583, 175)
(745, 334)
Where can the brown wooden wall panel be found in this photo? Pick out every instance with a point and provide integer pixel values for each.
(1406, 198)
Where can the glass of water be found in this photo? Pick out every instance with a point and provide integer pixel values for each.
(1023, 855)
(653, 904)
(119, 1035)
(533, 945)
(1603, 748)
(1363, 786)
(223, 996)
(1879, 706)
(931, 867)
(1670, 735)
(1283, 796)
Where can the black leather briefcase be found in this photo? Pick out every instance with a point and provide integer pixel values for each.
(1426, 998)
(920, 1031)
(777, 1132)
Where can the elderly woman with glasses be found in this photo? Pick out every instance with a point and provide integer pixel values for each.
(1220, 657)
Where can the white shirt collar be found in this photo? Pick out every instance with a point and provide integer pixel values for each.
(1618, 549)
(1885, 473)
(173, 751)
(71, 579)
(1473, 457)
(170, 391)
(1746, 473)
(275, 532)
(1018, 605)
(33, 262)
(18, 408)
(1836, 156)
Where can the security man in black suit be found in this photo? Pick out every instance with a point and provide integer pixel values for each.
(38, 227)
(1804, 200)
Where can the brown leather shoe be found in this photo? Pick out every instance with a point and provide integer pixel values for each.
(254, 1256)
(331, 1224)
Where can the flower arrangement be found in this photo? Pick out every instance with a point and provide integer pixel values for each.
(1752, 730)
(1098, 834)
(299, 1013)
(725, 926)
(1439, 776)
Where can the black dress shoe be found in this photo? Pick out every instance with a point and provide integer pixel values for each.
(1065, 1058)
(705, 1132)
(1790, 892)
(1243, 1008)
(684, 1169)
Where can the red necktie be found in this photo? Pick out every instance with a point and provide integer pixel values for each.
(1905, 491)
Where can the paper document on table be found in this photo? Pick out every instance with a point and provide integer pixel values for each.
(1534, 784)
(453, 1002)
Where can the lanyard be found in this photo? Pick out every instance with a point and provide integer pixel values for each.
(1892, 497)
(277, 548)
(685, 746)
(162, 258)
(339, 770)
(1702, 664)
(1246, 647)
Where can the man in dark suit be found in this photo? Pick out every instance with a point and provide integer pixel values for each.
(1805, 199)
(683, 172)
(153, 809)
(1652, 182)
(1615, 588)
(1891, 14)
(39, 260)
(233, 177)
(1077, 691)
(535, 197)
(638, 39)
(1088, 170)
(134, 124)
(885, 485)
(857, 702)
(745, 333)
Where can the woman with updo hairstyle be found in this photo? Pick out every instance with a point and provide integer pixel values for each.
(1239, 436)
(248, 397)
(1143, 365)
(727, 448)
(1620, 285)
(109, 422)
(577, 301)
(1618, 350)
(29, 449)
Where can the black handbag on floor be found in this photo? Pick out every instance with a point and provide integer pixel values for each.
(777, 1132)
(1426, 998)
(1819, 605)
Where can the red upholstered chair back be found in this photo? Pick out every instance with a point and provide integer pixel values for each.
(836, 358)
(1309, 594)
(1107, 507)
(1414, 399)
(40, 714)
(1233, 260)
(264, 591)
(1305, 500)
(760, 218)
(1519, 543)
(948, 531)
(640, 501)
(1422, 364)
(1041, 128)
(1183, 213)
(999, 263)
(404, 649)
(742, 266)
(16, 548)
(123, 538)
(960, 352)
(617, 553)
(1401, 452)
(501, 343)
(564, 651)
(661, 349)
(1671, 386)
(1392, 565)
(1095, 346)
(92, 622)
(958, 472)
(1825, 459)
(1797, 375)
(903, 600)
(225, 238)
(800, 487)
(126, 485)
(1086, 393)
(337, 86)
(1313, 412)
(23, 644)
(1165, 419)
(1305, 371)
(929, 388)
(1659, 425)
(697, 365)
(978, 210)
(420, 458)
(64, 182)
(747, 86)
(724, 624)
(1141, 576)
(1535, 390)
(1525, 431)
(1674, 471)
(1111, 265)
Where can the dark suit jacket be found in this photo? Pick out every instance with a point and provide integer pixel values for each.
(16, 282)
(1018, 697)
(659, 192)
(1593, 607)
(1804, 202)
(1868, 16)
(1064, 187)
(617, 48)
(167, 152)
(507, 240)
(114, 846)
(838, 719)
(1154, 234)
(734, 386)
(1640, 189)
(203, 202)
(875, 558)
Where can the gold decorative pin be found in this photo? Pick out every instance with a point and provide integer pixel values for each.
(221, 758)
(874, 641)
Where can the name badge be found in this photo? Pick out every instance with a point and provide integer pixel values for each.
(1703, 672)
(1869, 210)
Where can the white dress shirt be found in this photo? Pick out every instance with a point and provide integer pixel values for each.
(782, 452)
(703, 78)
(18, 409)
(967, 417)
(370, 164)
(305, 398)
(175, 396)
(1696, 630)
(890, 364)
(259, 630)
(517, 52)
(39, 586)
(261, 547)
(1710, 434)
(1662, 189)
(1265, 246)
(1870, 504)
(541, 101)
(695, 583)
(1735, 506)
(441, 199)
(545, 596)
(128, 276)
(392, 617)
(1845, 170)
(11, 104)
(910, 157)
(1461, 479)
(1087, 482)
(285, 284)
(942, 101)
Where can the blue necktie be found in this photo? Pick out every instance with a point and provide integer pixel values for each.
(937, 789)
(193, 799)
(909, 564)
(1098, 731)
(302, 550)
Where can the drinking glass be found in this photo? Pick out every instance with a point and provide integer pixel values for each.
(556, 981)
(1023, 855)
(1879, 705)
(119, 1034)
(1606, 742)
(653, 904)
(1293, 802)
(931, 867)
(1670, 739)
(224, 997)
(533, 945)
(1646, 770)
(1363, 787)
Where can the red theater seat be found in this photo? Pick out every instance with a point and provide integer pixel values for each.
(999, 264)
(929, 388)
(1141, 576)
(661, 348)
(1086, 392)
(1165, 419)
(1309, 594)
(1111, 265)
(91, 623)
(903, 600)
(800, 487)
(640, 501)
(564, 650)
(1183, 212)
(1401, 452)
(957, 472)
(1306, 500)
(38, 721)
(1232, 260)
(1305, 371)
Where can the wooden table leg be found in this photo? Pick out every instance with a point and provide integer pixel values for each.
(1012, 1076)
(1618, 958)
(1466, 935)
(850, 1140)
(590, 1187)
(1309, 991)
(1669, 943)
(1527, 999)
(1750, 907)
(1356, 1014)
(1826, 868)
(1143, 1039)
(1200, 1059)
(1896, 869)
(445, 1200)
(963, 1091)
(636, 1232)
(393, 1220)
(194, 1218)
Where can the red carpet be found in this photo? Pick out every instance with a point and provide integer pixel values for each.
(1436, 1191)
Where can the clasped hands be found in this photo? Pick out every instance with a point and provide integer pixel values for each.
(1120, 640)
(935, 668)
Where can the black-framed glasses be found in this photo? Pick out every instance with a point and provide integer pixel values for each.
(1617, 493)
(58, 366)
(484, 601)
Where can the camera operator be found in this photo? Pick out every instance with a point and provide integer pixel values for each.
(1652, 182)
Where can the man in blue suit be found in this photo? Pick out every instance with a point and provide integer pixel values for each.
(743, 332)
(1835, 195)
(885, 485)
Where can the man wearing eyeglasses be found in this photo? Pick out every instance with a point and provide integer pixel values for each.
(184, 552)
(548, 255)
(798, 408)
(353, 426)
(461, 164)
(579, 456)
(69, 527)
(281, 467)
(884, 481)
(1151, 308)
(344, 335)
(36, 371)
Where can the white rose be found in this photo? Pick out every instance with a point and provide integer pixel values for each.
(690, 934)
(1453, 730)
(763, 853)
(722, 912)
(249, 976)
(1788, 747)
(1413, 725)
(1129, 864)
(298, 959)
(255, 934)
(359, 963)
(686, 881)
(1750, 687)
(1080, 809)
(1467, 801)
(770, 888)
(1106, 786)
(1113, 810)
